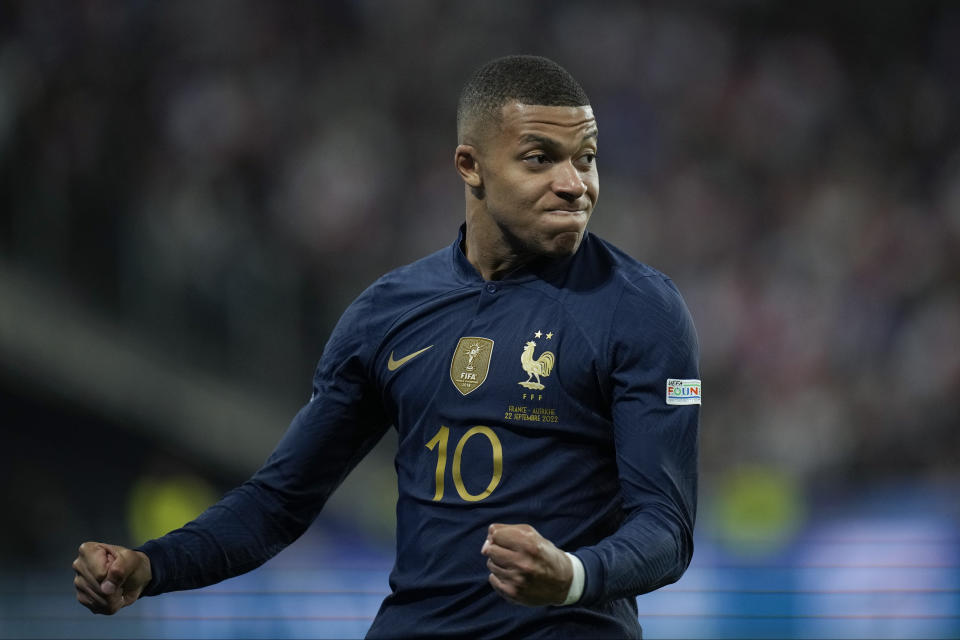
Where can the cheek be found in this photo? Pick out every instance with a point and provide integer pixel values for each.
(513, 197)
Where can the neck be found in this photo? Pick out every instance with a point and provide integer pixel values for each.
(488, 248)
(490, 265)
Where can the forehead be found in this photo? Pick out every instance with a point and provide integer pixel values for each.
(519, 120)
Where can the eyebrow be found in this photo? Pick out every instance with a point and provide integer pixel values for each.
(553, 144)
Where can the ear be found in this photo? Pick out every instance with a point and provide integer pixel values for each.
(468, 165)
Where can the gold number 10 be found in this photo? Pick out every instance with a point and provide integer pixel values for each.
(442, 437)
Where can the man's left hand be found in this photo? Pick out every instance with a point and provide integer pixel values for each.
(525, 567)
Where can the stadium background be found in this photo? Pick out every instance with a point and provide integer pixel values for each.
(191, 193)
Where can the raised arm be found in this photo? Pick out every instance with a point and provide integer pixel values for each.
(253, 522)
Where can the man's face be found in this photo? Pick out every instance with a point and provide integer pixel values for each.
(540, 177)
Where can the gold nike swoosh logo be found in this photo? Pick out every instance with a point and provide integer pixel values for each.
(393, 365)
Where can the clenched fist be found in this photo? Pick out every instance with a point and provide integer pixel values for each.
(525, 567)
(109, 577)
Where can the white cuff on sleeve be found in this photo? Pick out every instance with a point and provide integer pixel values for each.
(576, 585)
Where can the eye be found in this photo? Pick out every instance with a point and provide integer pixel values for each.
(588, 158)
(537, 159)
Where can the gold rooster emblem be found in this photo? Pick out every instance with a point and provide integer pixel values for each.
(542, 366)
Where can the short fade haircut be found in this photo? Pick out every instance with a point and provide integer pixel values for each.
(532, 80)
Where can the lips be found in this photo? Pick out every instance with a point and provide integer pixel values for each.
(565, 220)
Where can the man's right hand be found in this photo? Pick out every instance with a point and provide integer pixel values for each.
(109, 577)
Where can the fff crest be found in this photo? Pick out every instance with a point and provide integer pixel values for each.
(470, 364)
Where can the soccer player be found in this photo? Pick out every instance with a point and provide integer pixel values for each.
(545, 389)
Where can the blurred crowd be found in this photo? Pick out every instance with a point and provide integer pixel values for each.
(224, 177)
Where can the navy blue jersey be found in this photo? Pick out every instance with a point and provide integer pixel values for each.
(565, 396)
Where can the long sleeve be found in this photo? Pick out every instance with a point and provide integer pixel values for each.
(327, 438)
(652, 340)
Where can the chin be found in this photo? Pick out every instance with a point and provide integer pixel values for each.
(564, 244)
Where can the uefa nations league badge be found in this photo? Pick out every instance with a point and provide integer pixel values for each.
(683, 391)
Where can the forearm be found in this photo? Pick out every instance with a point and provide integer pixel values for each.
(234, 536)
(653, 545)
(649, 550)
(257, 520)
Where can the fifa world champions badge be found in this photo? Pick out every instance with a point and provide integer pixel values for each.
(470, 363)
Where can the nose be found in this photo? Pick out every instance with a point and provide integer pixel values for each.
(568, 183)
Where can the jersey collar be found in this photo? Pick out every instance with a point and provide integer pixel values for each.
(549, 270)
